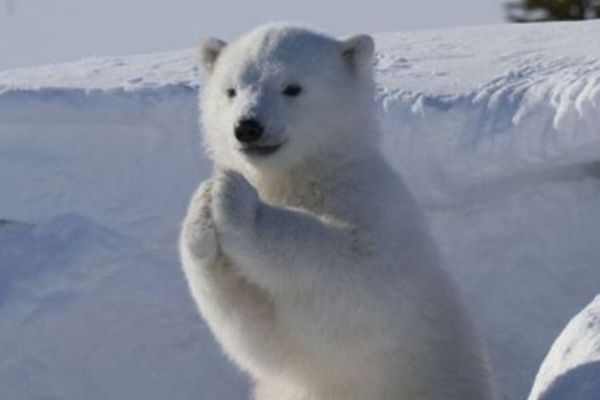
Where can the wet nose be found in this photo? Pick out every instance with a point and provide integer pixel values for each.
(248, 131)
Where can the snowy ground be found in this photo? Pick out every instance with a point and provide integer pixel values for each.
(496, 129)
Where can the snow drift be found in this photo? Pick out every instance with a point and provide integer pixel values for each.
(496, 130)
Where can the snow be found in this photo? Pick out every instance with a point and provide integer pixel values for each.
(129, 74)
(571, 370)
(484, 105)
(87, 313)
(496, 130)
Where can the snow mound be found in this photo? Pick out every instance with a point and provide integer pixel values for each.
(571, 370)
(494, 128)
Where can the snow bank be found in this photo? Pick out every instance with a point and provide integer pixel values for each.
(122, 158)
(474, 107)
(571, 370)
(494, 128)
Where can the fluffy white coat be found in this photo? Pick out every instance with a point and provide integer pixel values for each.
(312, 265)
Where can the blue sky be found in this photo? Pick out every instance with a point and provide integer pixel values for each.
(42, 31)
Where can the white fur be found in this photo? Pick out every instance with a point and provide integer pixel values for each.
(313, 265)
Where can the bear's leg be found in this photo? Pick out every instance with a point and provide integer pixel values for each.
(282, 249)
(240, 314)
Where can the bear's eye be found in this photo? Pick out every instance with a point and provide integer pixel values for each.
(292, 90)
(231, 93)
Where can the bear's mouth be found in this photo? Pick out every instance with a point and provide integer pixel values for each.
(260, 150)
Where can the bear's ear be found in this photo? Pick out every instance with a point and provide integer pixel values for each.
(208, 51)
(358, 51)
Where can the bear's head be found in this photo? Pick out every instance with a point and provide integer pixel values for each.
(284, 94)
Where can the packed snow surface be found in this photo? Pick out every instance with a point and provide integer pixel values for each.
(496, 130)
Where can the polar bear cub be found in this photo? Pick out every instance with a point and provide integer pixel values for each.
(305, 252)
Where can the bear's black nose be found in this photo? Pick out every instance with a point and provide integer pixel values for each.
(248, 131)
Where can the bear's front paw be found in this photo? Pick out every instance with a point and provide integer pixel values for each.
(198, 232)
(235, 202)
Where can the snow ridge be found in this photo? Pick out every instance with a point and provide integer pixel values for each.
(527, 104)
